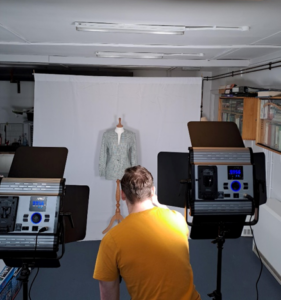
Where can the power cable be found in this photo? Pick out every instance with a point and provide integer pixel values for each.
(260, 262)
(32, 283)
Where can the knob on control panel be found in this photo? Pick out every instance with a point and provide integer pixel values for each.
(235, 186)
(36, 218)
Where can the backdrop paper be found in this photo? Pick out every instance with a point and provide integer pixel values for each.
(75, 111)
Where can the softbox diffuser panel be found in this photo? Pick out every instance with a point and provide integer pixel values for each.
(39, 162)
(172, 167)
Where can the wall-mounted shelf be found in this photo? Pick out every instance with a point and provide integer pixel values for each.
(269, 124)
(242, 111)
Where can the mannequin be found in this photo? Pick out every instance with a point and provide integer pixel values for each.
(117, 217)
(118, 152)
(119, 130)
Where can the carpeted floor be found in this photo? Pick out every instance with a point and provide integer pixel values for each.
(240, 270)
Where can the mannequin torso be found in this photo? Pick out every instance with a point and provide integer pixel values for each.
(119, 131)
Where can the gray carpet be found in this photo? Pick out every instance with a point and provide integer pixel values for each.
(240, 270)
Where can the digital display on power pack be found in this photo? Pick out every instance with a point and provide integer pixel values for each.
(235, 172)
(38, 203)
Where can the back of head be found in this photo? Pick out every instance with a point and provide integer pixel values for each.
(136, 184)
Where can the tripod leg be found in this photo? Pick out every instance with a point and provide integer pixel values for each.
(110, 224)
(217, 295)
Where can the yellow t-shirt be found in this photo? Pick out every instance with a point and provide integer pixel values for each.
(149, 249)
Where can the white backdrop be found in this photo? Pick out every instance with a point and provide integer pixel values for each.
(74, 112)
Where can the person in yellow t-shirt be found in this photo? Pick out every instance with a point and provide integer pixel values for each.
(149, 248)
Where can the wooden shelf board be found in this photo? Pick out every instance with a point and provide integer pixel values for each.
(268, 148)
(269, 98)
(233, 97)
(232, 112)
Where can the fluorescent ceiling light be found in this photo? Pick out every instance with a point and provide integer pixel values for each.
(149, 29)
(109, 54)
(234, 28)
(129, 28)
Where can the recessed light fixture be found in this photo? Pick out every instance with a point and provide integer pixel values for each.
(129, 28)
(149, 29)
(150, 55)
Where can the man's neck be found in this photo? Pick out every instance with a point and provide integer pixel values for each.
(139, 206)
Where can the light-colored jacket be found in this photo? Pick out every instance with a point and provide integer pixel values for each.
(114, 158)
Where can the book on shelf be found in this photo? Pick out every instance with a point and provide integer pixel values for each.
(265, 137)
(276, 136)
(271, 135)
(277, 116)
(264, 109)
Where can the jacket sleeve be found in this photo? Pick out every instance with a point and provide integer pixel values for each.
(134, 159)
(103, 157)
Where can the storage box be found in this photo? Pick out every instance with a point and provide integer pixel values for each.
(5, 275)
(16, 284)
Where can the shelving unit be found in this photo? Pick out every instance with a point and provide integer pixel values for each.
(242, 111)
(269, 124)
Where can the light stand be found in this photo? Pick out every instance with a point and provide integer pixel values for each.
(45, 163)
(220, 240)
(217, 213)
(24, 276)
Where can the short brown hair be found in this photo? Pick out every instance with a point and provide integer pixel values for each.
(136, 184)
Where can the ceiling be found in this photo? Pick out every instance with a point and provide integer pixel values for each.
(43, 32)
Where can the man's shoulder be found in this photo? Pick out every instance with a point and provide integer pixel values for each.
(170, 212)
(173, 216)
